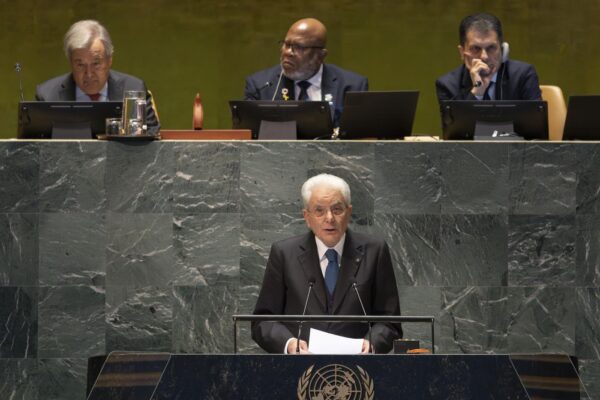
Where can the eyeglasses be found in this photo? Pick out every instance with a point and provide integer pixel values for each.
(336, 210)
(296, 48)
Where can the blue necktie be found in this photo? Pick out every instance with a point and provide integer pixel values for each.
(331, 273)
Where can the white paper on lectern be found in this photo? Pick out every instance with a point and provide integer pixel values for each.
(328, 343)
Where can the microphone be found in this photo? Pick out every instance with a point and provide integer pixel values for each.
(311, 283)
(266, 85)
(364, 312)
(18, 69)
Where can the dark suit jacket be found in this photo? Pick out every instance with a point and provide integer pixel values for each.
(294, 262)
(516, 81)
(62, 88)
(336, 82)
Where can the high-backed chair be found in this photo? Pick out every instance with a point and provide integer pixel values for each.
(557, 110)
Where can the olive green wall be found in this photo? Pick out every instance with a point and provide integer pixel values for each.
(180, 47)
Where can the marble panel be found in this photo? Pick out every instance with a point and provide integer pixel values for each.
(140, 250)
(271, 175)
(414, 242)
(72, 177)
(541, 250)
(587, 339)
(202, 320)
(473, 320)
(474, 178)
(71, 321)
(139, 177)
(351, 161)
(407, 178)
(473, 250)
(542, 178)
(588, 250)
(589, 373)
(19, 249)
(139, 319)
(207, 249)
(20, 175)
(542, 320)
(19, 379)
(207, 178)
(18, 322)
(588, 179)
(258, 233)
(72, 249)
(420, 301)
(62, 378)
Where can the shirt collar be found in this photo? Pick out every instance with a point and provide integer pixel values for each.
(81, 96)
(316, 79)
(322, 248)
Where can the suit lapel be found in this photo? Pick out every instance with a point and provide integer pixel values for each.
(351, 260)
(115, 88)
(67, 91)
(329, 85)
(309, 260)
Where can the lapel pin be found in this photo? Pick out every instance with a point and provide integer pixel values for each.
(284, 94)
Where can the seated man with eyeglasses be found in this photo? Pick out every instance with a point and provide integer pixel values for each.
(89, 49)
(301, 74)
(337, 264)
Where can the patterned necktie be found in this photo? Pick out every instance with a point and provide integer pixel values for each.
(304, 85)
(94, 97)
(332, 271)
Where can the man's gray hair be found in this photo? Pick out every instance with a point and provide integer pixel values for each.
(328, 181)
(82, 34)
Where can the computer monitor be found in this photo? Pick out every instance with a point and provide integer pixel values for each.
(381, 115)
(65, 119)
(502, 119)
(582, 121)
(286, 120)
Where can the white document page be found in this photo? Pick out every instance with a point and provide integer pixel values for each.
(328, 343)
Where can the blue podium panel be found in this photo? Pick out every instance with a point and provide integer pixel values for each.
(322, 377)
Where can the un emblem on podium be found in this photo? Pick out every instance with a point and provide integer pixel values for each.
(335, 382)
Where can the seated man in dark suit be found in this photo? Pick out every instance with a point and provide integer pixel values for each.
(487, 73)
(332, 259)
(89, 49)
(302, 75)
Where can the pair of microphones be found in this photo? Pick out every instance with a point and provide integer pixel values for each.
(311, 283)
(18, 69)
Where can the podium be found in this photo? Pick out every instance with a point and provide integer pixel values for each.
(163, 376)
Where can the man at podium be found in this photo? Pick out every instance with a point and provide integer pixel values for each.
(340, 267)
(302, 73)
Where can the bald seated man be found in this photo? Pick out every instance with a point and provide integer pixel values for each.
(301, 73)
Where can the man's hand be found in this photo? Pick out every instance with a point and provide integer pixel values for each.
(365, 347)
(480, 72)
(291, 349)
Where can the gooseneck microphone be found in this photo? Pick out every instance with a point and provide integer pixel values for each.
(266, 85)
(311, 283)
(365, 314)
(278, 83)
(18, 69)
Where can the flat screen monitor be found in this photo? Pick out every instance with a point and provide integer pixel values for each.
(381, 115)
(583, 120)
(489, 120)
(286, 120)
(65, 119)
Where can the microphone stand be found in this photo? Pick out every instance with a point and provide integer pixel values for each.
(365, 313)
(310, 286)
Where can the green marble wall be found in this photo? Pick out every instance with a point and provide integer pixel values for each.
(181, 47)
